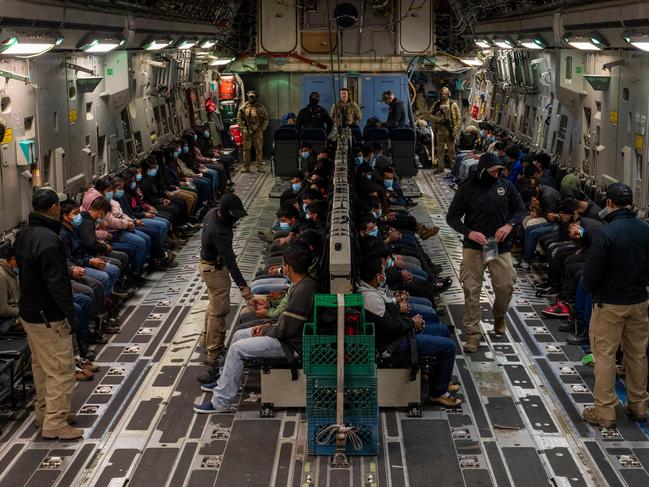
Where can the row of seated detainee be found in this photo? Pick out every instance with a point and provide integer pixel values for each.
(301, 228)
(125, 226)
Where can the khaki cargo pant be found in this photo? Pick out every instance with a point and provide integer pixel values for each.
(611, 326)
(255, 139)
(218, 289)
(53, 370)
(444, 144)
(503, 278)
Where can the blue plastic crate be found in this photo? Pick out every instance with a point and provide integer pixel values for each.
(368, 432)
(360, 395)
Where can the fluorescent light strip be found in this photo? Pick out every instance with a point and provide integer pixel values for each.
(531, 45)
(105, 47)
(155, 45)
(503, 44)
(585, 45)
(472, 62)
(483, 44)
(24, 49)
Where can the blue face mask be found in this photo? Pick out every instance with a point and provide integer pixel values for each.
(206, 134)
(109, 195)
(388, 183)
(377, 214)
(119, 193)
(296, 187)
(372, 161)
(100, 220)
(176, 154)
(152, 172)
(481, 133)
(76, 221)
(284, 225)
(307, 216)
(358, 160)
(195, 137)
(390, 262)
(383, 284)
(581, 231)
(374, 233)
(304, 207)
(138, 177)
(306, 154)
(133, 185)
(185, 149)
(15, 270)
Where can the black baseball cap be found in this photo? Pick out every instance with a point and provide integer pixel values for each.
(489, 162)
(232, 205)
(44, 198)
(386, 94)
(620, 194)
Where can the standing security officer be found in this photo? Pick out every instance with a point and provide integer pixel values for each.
(617, 274)
(218, 263)
(491, 207)
(313, 116)
(47, 313)
(346, 113)
(447, 119)
(252, 117)
(396, 113)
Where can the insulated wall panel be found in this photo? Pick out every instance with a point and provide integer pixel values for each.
(277, 27)
(415, 27)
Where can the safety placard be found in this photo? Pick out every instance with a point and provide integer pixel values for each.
(72, 116)
(613, 117)
(639, 142)
(9, 136)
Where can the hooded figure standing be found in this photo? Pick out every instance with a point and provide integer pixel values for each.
(313, 116)
(252, 117)
(486, 207)
(447, 120)
(219, 263)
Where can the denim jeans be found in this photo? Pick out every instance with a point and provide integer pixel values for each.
(83, 309)
(417, 271)
(108, 277)
(244, 346)
(427, 313)
(125, 240)
(153, 237)
(434, 346)
(266, 286)
(532, 236)
(160, 223)
(583, 305)
(213, 176)
(423, 301)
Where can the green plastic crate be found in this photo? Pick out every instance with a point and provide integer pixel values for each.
(368, 433)
(360, 396)
(320, 351)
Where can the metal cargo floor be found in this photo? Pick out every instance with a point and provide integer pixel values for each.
(519, 425)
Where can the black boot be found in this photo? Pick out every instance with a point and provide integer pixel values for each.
(580, 337)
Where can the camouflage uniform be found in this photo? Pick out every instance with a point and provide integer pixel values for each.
(253, 120)
(446, 119)
(346, 114)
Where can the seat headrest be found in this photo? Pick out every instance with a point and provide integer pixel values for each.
(402, 134)
(314, 134)
(286, 133)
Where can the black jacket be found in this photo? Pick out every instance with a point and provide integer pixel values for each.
(151, 192)
(44, 280)
(390, 326)
(217, 246)
(549, 200)
(396, 114)
(88, 237)
(617, 266)
(485, 209)
(314, 118)
(592, 211)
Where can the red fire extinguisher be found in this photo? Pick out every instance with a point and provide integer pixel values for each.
(237, 135)
(475, 110)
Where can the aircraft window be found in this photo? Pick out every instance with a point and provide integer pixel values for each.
(89, 115)
(625, 94)
(5, 104)
(30, 129)
(72, 92)
(568, 68)
(56, 121)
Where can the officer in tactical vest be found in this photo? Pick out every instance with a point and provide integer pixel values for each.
(252, 117)
(346, 113)
(446, 124)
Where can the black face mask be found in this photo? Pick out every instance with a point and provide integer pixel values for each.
(226, 217)
(252, 99)
(314, 100)
(486, 179)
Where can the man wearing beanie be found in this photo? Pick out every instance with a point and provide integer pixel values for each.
(486, 206)
(617, 274)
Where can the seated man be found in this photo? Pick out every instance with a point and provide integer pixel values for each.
(9, 289)
(393, 329)
(268, 340)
